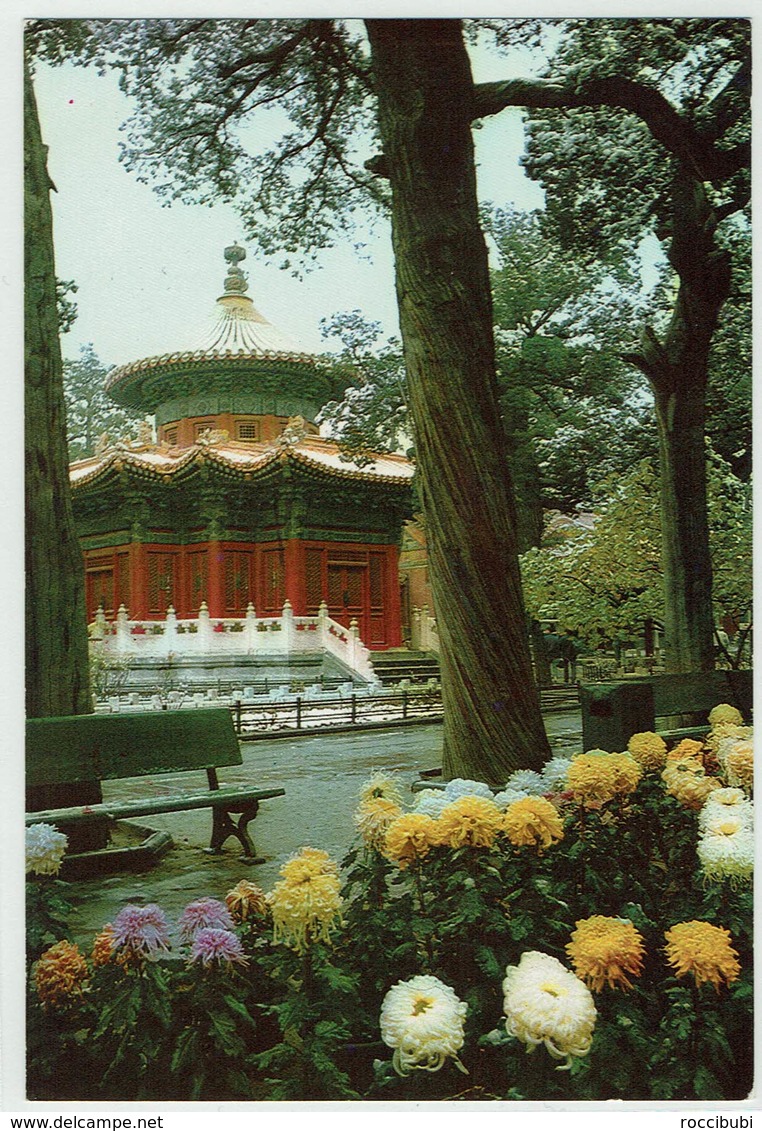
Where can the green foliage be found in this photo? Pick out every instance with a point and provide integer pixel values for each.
(90, 412)
(604, 582)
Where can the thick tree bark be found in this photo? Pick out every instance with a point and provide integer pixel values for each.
(423, 82)
(677, 369)
(57, 667)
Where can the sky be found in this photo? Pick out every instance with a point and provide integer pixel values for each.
(148, 275)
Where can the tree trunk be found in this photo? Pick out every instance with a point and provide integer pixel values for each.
(492, 714)
(677, 370)
(57, 665)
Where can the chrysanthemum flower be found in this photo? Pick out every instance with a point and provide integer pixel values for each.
(532, 821)
(554, 774)
(593, 779)
(687, 748)
(306, 903)
(373, 819)
(59, 974)
(649, 749)
(544, 1003)
(472, 821)
(45, 848)
(308, 862)
(687, 782)
(103, 945)
(432, 802)
(724, 713)
(722, 731)
(726, 849)
(604, 951)
(204, 912)
(627, 773)
(141, 932)
(246, 901)
(528, 781)
(410, 837)
(724, 802)
(381, 784)
(737, 761)
(212, 946)
(703, 950)
(464, 787)
(423, 1021)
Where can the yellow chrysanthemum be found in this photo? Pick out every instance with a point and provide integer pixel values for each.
(604, 951)
(246, 901)
(627, 771)
(649, 749)
(59, 974)
(533, 821)
(306, 903)
(593, 779)
(724, 713)
(737, 761)
(103, 945)
(410, 837)
(374, 817)
(383, 785)
(308, 862)
(687, 782)
(703, 950)
(472, 821)
(687, 748)
(721, 731)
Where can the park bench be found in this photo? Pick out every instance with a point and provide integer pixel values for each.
(96, 748)
(675, 706)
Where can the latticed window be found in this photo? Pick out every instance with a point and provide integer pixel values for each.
(161, 582)
(198, 575)
(313, 568)
(100, 591)
(202, 426)
(273, 580)
(376, 583)
(237, 573)
(247, 430)
(170, 435)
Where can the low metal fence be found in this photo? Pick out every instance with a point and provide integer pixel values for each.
(308, 713)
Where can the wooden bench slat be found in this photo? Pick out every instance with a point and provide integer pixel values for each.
(133, 744)
(122, 810)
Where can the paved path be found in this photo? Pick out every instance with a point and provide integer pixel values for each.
(322, 777)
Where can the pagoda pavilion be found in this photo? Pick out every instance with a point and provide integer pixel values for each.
(239, 509)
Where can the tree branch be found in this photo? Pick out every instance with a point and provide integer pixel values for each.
(666, 124)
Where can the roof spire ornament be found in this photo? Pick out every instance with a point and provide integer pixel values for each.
(235, 281)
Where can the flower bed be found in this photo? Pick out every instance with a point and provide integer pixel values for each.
(584, 934)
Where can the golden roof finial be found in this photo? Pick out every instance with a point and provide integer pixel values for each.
(235, 281)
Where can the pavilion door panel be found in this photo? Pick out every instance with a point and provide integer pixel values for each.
(196, 581)
(100, 591)
(376, 613)
(163, 589)
(347, 599)
(272, 583)
(238, 574)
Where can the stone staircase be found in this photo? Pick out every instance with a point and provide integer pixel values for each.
(402, 663)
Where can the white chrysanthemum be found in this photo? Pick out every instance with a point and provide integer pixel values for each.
(507, 797)
(45, 848)
(381, 784)
(725, 803)
(422, 1020)
(554, 773)
(544, 1003)
(463, 787)
(432, 802)
(726, 850)
(529, 781)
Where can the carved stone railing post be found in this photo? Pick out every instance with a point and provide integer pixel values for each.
(122, 637)
(288, 628)
(250, 631)
(415, 630)
(205, 634)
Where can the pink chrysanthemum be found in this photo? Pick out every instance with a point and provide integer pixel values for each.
(141, 932)
(204, 913)
(212, 945)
